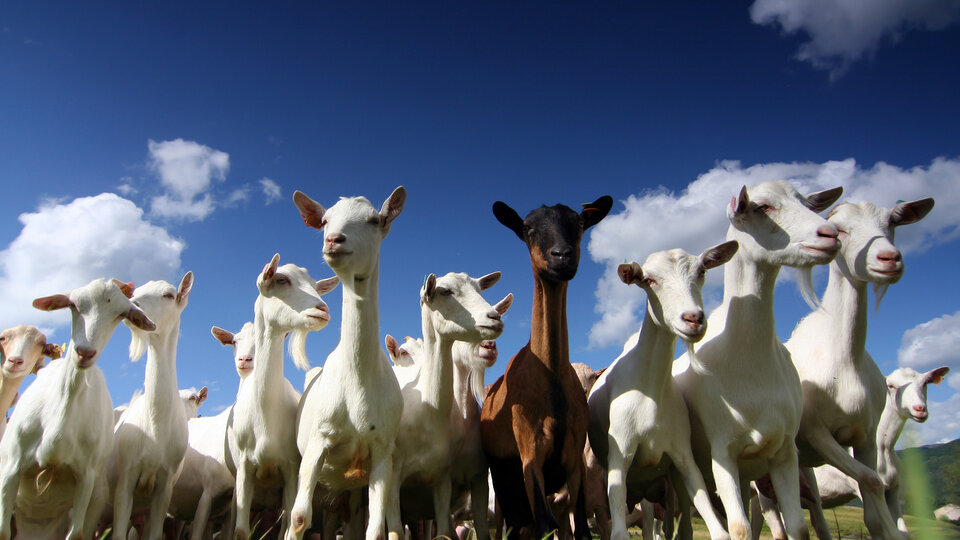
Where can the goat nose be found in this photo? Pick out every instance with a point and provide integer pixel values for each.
(323, 307)
(561, 252)
(85, 352)
(890, 256)
(827, 230)
(15, 360)
(920, 408)
(337, 238)
(693, 318)
(494, 314)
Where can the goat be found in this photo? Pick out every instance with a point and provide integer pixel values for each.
(639, 425)
(349, 414)
(533, 423)
(262, 432)
(205, 484)
(60, 435)
(741, 432)
(24, 348)
(843, 389)
(151, 436)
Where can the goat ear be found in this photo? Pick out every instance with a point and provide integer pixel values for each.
(429, 287)
(125, 288)
(392, 207)
(52, 351)
(906, 213)
(51, 303)
(738, 203)
(597, 210)
(630, 273)
(504, 305)
(310, 210)
(510, 218)
(821, 200)
(225, 337)
(39, 365)
(139, 319)
(393, 348)
(720, 254)
(326, 285)
(936, 376)
(201, 396)
(489, 280)
(270, 269)
(183, 291)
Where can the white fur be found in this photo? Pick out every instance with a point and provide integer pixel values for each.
(23, 348)
(843, 389)
(262, 431)
(60, 435)
(349, 415)
(638, 416)
(151, 436)
(741, 387)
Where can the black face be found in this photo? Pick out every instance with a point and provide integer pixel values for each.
(553, 235)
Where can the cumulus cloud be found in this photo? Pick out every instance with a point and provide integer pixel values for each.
(840, 32)
(695, 219)
(933, 344)
(271, 190)
(241, 194)
(65, 245)
(187, 171)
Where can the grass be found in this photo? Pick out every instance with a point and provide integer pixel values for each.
(847, 522)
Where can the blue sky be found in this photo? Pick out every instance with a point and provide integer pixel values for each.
(144, 141)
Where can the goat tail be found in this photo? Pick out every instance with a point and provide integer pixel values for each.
(47, 472)
(298, 349)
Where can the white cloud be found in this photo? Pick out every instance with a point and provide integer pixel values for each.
(126, 187)
(271, 190)
(187, 170)
(933, 344)
(840, 32)
(241, 194)
(65, 245)
(695, 219)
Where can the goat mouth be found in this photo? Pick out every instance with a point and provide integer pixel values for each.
(85, 363)
(320, 316)
(690, 334)
(488, 351)
(334, 253)
(887, 273)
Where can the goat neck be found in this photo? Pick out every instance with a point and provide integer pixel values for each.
(360, 329)
(436, 371)
(548, 325)
(845, 300)
(748, 287)
(267, 373)
(650, 369)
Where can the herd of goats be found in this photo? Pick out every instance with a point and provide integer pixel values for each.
(397, 443)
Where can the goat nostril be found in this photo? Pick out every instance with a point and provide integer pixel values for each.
(323, 307)
(336, 238)
(889, 256)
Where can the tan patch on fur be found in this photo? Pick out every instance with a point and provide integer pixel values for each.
(356, 472)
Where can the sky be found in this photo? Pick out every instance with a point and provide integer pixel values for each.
(143, 141)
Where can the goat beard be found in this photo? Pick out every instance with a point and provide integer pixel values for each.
(298, 349)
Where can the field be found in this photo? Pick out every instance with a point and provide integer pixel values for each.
(849, 521)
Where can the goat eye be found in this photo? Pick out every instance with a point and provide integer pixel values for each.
(168, 295)
(282, 280)
(374, 221)
(444, 292)
(763, 208)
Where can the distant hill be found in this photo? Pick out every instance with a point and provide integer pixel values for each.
(930, 476)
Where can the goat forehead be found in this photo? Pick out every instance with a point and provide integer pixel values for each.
(24, 334)
(902, 376)
(861, 216)
(673, 262)
(95, 292)
(351, 209)
(458, 281)
(779, 189)
(153, 288)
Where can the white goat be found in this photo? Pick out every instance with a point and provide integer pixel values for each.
(262, 431)
(741, 388)
(639, 425)
(431, 432)
(23, 347)
(843, 390)
(151, 436)
(206, 484)
(60, 434)
(349, 415)
(906, 399)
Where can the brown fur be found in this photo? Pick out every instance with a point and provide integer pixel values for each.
(534, 418)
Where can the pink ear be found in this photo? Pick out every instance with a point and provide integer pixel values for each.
(391, 344)
(504, 305)
(271, 267)
(185, 285)
(126, 288)
(52, 351)
(937, 375)
(140, 319)
(53, 302)
(225, 337)
(310, 211)
(630, 273)
(201, 395)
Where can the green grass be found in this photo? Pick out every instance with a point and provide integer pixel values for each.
(847, 522)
